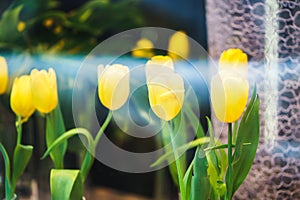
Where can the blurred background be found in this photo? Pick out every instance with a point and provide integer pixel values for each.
(59, 34)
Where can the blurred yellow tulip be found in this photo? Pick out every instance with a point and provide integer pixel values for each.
(158, 65)
(229, 88)
(179, 45)
(166, 95)
(3, 75)
(113, 85)
(143, 49)
(44, 90)
(21, 97)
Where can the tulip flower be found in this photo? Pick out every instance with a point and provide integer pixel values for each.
(113, 85)
(3, 75)
(158, 65)
(143, 49)
(178, 45)
(166, 95)
(21, 97)
(44, 90)
(229, 88)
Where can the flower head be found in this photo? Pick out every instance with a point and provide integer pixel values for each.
(159, 65)
(113, 85)
(143, 49)
(21, 97)
(3, 75)
(178, 45)
(229, 88)
(44, 90)
(166, 95)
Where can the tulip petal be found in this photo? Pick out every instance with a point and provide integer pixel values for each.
(3, 75)
(44, 90)
(113, 86)
(21, 97)
(166, 95)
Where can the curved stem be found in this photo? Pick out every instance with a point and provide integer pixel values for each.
(102, 128)
(178, 164)
(89, 155)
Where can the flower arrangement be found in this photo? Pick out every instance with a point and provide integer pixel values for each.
(214, 173)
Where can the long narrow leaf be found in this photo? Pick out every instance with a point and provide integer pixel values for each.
(54, 128)
(66, 136)
(184, 147)
(8, 191)
(248, 132)
(187, 179)
(22, 156)
(201, 188)
(66, 184)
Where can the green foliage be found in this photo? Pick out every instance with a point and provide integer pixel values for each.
(50, 29)
(8, 190)
(54, 128)
(66, 184)
(8, 26)
(22, 156)
(248, 132)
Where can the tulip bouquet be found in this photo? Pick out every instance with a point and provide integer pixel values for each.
(23, 108)
(113, 91)
(213, 173)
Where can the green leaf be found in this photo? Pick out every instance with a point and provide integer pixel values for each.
(187, 180)
(185, 147)
(248, 133)
(169, 157)
(66, 184)
(64, 137)
(8, 190)
(215, 160)
(8, 25)
(22, 156)
(201, 188)
(54, 128)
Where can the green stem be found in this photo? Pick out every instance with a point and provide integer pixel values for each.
(178, 164)
(102, 128)
(89, 155)
(8, 189)
(19, 130)
(229, 187)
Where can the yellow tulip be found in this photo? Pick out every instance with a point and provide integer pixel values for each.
(21, 97)
(179, 45)
(143, 49)
(166, 95)
(44, 90)
(234, 61)
(113, 85)
(229, 88)
(3, 75)
(159, 65)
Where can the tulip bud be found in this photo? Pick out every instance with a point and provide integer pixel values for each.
(44, 90)
(159, 65)
(21, 97)
(113, 85)
(166, 95)
(179, 45)
(3, 75)
(234, 61)
(229, 88)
